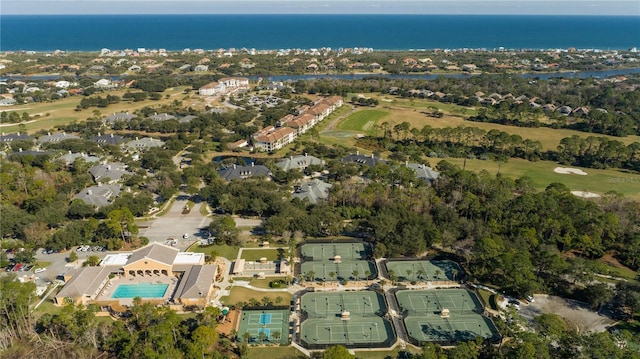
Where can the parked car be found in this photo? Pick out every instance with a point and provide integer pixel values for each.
(530, 299)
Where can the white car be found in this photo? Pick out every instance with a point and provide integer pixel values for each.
(185, 236)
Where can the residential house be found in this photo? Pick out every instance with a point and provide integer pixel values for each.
(121, 116)
(109, 173)
(299, 162)
(102, 83)
(565, 110)
(100, 195)
(7, 102)
(108, 139)
(56, 137)
(15, 137)
(424, 172)
(142, 144)
(363, 160)
(312, 191)
(201, 68)
(161, 117)
(242, 172)
(70, 158)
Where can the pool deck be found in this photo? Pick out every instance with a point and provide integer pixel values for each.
(112, 284)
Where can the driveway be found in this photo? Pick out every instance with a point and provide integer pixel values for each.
(575, 313)
(174, 224)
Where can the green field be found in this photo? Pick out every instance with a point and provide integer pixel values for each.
(364, 121)
(229, 252)
(48, 115)
(542, 174)
(240, 294)
(272, 254)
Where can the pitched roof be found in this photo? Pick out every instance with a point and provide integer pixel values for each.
(85, 281)
(424, 172)
(99, 196)
(108, 139)
(313, 191)
(69, 158)
(299, 162)
(113, 171)
(57, 137)
(363, 160)
(242, 172)
(144, 143)
(155, 251)
(122, 116)
(196, 282)
(15, 137)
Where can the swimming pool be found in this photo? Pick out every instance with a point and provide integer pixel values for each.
(142, 290)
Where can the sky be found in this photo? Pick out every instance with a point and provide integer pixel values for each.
(476, 7)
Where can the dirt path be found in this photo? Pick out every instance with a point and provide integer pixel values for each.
(334, 122)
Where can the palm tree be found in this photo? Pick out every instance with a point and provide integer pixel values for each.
(266, 301)
(421, 273)
(409, 273)
(311, 276)
(279, 299)
(276, 336)
(367, 274)
(438, 272)
(332, 275)
(262, 336)
(392, 276)
(454, 272)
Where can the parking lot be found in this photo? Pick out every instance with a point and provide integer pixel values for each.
(175, 225)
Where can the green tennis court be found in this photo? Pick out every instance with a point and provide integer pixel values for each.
(425, 322)
(424, 270)
(434, 328)
(457, 300)
(264, 326)
(333, 304)
(355, 332)
(346, 269)
(327, 251)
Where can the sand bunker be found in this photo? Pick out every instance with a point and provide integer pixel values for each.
(568, 171)
(584, 194)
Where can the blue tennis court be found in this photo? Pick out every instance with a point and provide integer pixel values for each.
(262, 326)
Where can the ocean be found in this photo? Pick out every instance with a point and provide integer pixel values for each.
(380, 32)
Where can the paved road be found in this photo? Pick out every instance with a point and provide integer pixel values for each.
(174, 224)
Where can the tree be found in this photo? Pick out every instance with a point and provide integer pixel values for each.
(73, 256)
(276, 336)
(91, 261)
(224, 228)
(337, 352)
(121, 222)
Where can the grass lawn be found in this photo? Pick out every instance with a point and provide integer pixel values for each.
(229, 252)
(272, 254)
(486, 297)
(364, 120)
(61, 112)
(48, 307)
(400, 110)
(275, 352)
(240, 294)
(264, 283)
(541, 173)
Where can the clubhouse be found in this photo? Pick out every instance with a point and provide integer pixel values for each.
(156, 273)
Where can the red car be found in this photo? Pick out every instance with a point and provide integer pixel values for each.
(17, 267)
